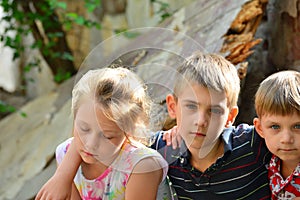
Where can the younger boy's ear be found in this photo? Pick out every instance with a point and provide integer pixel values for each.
(232, 115)
(257, 125)
(171, 105)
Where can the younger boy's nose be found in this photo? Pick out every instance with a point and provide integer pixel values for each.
(287, 137)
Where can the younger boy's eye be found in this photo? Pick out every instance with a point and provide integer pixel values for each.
(275, 127)
(297, 126)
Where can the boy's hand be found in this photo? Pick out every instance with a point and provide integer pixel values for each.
(55, 188)
(172, 137)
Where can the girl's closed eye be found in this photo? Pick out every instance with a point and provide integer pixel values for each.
(85, 129)
(108, 137)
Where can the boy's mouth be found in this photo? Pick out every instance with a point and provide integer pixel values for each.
(199, 134)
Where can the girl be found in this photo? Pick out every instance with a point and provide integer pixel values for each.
(110, 109)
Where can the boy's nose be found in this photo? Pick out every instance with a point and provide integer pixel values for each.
(287, 137)
(201, 120)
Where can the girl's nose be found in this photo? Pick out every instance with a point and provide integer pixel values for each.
(92, 142)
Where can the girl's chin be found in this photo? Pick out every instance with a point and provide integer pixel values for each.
(89, 159)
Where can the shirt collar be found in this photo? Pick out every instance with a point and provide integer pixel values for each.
(226, 136)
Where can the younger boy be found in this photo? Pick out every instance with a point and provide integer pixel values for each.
(277, 104)
(213, 163)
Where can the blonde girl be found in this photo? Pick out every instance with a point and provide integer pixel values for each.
(110, 108)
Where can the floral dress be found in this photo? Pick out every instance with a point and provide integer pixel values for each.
(111, 184)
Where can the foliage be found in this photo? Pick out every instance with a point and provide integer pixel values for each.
(164, 9)
(47, 21)
(40, 18)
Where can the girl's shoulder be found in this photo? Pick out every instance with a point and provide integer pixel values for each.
(134, 154)
(62, 149)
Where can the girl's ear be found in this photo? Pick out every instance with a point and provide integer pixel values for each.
(257, 125)
(232, 115)
(171, 104)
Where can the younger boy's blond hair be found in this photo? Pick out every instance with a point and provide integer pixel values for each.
(212, 71)
(279, 94)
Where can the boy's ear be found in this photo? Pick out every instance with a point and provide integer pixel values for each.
(232, 115)
(171, 105)
(257, 125)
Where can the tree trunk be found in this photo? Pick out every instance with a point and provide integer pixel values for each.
(53, 55)
(280, 50)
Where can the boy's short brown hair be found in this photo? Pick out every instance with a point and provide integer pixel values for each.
(279, 94)
(212, 71)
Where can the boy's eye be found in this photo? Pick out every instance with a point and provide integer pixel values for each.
(297, 126)
(191, 106)
(216, 110)
(275, 127)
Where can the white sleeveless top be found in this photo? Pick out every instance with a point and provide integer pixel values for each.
(111, 184)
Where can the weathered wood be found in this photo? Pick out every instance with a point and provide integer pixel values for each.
(27, 144)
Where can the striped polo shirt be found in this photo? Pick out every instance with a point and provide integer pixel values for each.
(241, 173)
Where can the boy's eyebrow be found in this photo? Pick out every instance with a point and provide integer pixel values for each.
(195, 102)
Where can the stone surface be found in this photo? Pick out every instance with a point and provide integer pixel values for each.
(28, 144)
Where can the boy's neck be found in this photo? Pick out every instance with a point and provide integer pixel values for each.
(287, 168)
(203, 163)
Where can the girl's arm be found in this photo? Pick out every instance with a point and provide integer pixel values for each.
(144, 180)
(59, 186)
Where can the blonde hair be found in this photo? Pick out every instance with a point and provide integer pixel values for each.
(122, 96)
(279, 94)
(211, 71)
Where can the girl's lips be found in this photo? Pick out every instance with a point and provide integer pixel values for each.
(88, 154)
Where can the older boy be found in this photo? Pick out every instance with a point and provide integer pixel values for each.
(213, 163)
(277, 104)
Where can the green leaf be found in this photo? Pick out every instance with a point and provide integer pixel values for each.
(4, 107)
(131, 34)
(71, 15)
(62, 5)
(80, 20)
(67, 56)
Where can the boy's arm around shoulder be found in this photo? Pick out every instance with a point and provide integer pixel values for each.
(60, 185)
(168, 152)
(158, 142)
